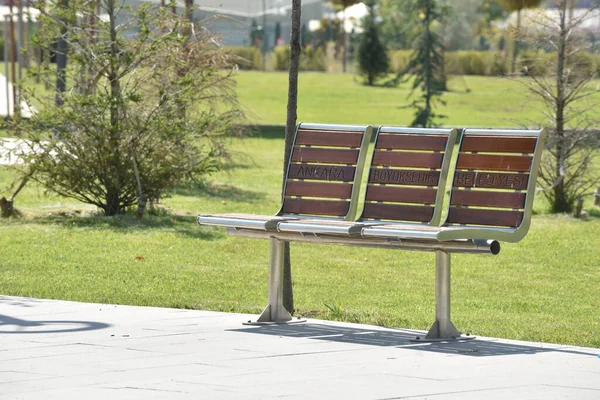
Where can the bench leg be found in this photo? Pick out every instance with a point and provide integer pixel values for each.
(275, 312)
(443, 329)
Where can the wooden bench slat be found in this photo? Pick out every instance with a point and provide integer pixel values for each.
(487, 199)
(398, 212)
(401, 194)
(407, 159)
(321, 172)
(478, 216)
(318, 189)
(503, 144)
(404, 177)
(329, 138)
(316, 207)
(330, 156)
(490, 180)
(411, 142)
(494, 162)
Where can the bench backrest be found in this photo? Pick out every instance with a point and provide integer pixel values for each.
(494, 180)
(408, 175)
(325, 170)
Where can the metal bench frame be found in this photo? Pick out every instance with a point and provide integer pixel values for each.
(443, 240)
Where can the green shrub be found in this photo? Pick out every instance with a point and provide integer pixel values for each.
(500, 65)
(249, 57)
(399, 60)
(586, 64)
(281, 58)
(310, 59)
(534, 63)
(469, 63)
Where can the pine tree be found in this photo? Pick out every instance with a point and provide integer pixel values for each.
(426, 65)
(372, 57)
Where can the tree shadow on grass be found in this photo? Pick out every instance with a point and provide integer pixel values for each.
(126, 223)
(220, 192)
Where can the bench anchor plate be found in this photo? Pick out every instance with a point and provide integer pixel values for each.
(275, 312)
(443, 330)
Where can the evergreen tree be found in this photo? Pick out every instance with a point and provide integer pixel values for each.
(372, 57)
(427, 64)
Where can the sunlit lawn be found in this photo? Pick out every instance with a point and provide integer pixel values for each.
(544, 288)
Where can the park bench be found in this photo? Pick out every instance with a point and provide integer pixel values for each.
(406, 170)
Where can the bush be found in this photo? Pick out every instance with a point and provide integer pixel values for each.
(281, 58)
(247, 57)
(500, 65)
(310, 59)
(534, 63)
(399, 59)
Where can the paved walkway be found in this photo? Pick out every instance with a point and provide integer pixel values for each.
(66, 350)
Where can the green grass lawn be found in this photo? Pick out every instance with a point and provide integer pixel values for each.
(341, 99)
(545, 288)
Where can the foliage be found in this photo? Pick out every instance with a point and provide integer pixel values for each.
(568, 170)
(517, 5)
(343, 4)
(311, 59)
(248, 57)
(372, 57)
(143, 112)
(427, 65)
(398, 24)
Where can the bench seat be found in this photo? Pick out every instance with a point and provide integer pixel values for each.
(321, 227)
(438, 233)
(247, 221)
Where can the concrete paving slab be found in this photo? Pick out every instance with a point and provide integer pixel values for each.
(66, 350)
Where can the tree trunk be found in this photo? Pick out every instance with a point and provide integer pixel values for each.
(345, 47)
(6, 207)
(513, 62)
(428, 66)
(61, 59)
(290, 126)
(112, 206)
(114, 181)
(264, 39)
(189, 17)
(561, 202)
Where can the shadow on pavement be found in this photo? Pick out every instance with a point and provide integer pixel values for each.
(399, 338)
(10, 325)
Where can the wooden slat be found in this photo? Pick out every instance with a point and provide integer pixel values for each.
(321, 172)
(329, 138)
(502, 144)
(316, 207)
(320, 155)
(490, 180)
(398, 212)
(401, 194)
(474, 216)
(407, 159)
(487, 199)
(494, 162)
(318, 189)
(404, 177)
(411, 142)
